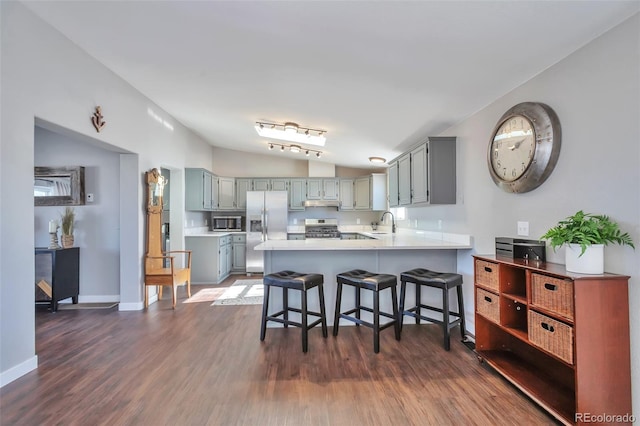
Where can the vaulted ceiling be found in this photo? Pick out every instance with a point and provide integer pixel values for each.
(378, 76)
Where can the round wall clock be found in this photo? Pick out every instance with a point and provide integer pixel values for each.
(524, 147)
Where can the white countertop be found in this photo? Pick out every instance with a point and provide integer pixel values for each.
(403, 240)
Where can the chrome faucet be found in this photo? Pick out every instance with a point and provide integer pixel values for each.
(393, 221)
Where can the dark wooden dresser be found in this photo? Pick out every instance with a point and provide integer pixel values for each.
(57, 275)
(561, 338)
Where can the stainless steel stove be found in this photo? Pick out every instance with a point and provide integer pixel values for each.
(321, 228)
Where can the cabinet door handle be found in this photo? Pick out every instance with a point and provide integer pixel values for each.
(547, 327)
(487, 299)
(487, 269)
(550, 286)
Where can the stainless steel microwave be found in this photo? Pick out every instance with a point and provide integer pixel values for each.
(227, 223)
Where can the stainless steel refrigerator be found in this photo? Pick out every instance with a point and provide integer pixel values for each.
(266, 220)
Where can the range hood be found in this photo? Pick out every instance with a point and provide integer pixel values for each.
(322, 203)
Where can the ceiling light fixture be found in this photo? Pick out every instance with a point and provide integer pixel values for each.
(293, 148)
(377, 160)
(291, 132)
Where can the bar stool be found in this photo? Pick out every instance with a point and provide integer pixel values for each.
(443, 281)
(289, 280)
(361, 279)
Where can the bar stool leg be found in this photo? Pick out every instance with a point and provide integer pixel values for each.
(336, 318)
(357, 304)
(376, 321)
(265, 309)
(304, 320)
(322, 310)
(403, 289)
(418, 301)
(285, 306)
(445, 317)
(397, 314)
(461, 311)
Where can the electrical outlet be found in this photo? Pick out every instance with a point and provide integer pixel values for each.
(439, 223)
(295, 221)
(90, 198)
(206, 222)
(523, 229)
(358, 221)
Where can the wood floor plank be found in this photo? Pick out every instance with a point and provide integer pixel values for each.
(205, 365)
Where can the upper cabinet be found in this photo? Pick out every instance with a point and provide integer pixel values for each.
(199, 189)
(271, 184)
(297, 194)
(425, 175)
(226, 193)
(346, 194)
(242, 186)
(392, 174)
(323, 189)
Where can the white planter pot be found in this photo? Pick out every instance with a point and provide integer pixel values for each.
(591, 262)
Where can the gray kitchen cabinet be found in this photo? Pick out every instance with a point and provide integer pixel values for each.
(404, 180)
(362, 195)
(226, 193)
(433, 171)
(323, 189)
(199, 190)
(419, 175)
(346, 194)
(242, 186)
(270, 184)
(297, 194)
(211, 258)
(426, 174)
(239, 250)
(392, 179)
(225, 258)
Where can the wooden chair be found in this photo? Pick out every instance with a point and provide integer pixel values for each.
(172, 268)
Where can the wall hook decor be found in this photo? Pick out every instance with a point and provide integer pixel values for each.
(97, 119)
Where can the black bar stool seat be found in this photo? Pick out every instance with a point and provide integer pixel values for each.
(361, 279)
(290, 280)
(442, 280)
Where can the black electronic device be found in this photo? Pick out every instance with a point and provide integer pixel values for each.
(518, 248)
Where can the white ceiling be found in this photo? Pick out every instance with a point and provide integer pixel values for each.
(379, 76)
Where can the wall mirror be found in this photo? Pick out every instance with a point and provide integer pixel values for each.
(58, 186)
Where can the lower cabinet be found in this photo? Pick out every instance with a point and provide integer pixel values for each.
(562, 338)
(239, 250)
(211, 258)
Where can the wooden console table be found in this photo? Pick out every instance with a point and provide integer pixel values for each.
(561, 338)
(57, 275)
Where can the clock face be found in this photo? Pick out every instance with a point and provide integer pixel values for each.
(525, 147)
(513, 148)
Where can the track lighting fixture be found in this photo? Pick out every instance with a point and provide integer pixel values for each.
(294, 148)
(291, 132)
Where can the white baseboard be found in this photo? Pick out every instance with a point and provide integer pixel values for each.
(95, 299)
(18, 371)
(132, 306)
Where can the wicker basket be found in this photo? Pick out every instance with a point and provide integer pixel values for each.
(488, 305)
(551, 335)
(487, 274)
(553, 294)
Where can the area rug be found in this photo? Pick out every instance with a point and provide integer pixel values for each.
(73, 307)
(242, 292)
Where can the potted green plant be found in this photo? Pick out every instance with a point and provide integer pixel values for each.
(67, 220)
(585, 235)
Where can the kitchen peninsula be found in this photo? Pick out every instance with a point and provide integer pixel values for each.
(385, 253)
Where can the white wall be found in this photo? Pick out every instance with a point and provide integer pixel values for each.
(596, 94)
(46, 77)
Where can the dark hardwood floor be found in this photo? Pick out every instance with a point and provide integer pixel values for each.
(205, 365)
